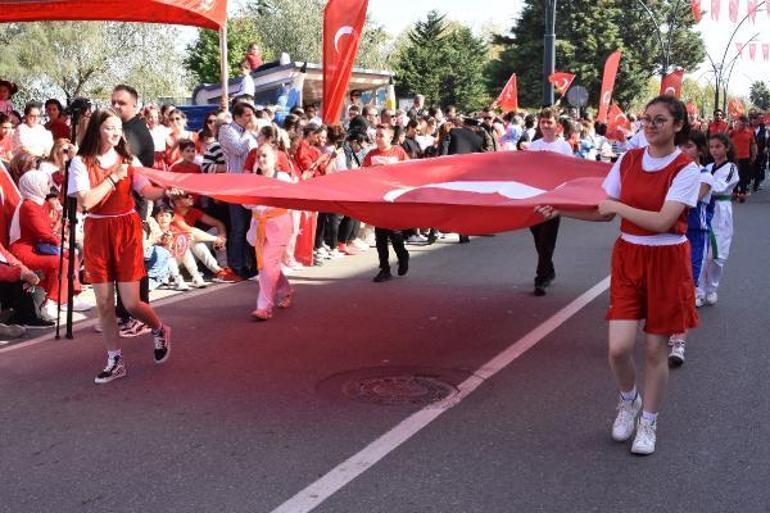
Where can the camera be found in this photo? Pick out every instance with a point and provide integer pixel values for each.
(77, 107)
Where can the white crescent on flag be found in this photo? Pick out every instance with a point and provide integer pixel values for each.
(607, 97)
(512, 190)
(561, 85)
(343, 31)
(670, 91)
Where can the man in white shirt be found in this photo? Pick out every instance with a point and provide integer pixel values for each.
(545, 233)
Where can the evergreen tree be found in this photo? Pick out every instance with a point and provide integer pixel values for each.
(443, 61)
(587, 32)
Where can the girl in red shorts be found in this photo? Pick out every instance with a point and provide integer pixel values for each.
(102, 178)
(650, 189)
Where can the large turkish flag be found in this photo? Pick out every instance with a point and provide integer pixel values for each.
(475, 193)
(343, 25)
(608, 84)
(9, 200)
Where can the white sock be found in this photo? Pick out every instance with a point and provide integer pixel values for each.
(630, 395)
(649, 417)
(113, 354)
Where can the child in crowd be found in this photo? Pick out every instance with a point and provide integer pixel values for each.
(385, 153)
(726, 177)
(269, 233)
(187, 163)
(178, 244)
(185, 219)
(7, 90)
(698, 226)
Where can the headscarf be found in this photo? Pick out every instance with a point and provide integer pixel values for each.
(34, 186)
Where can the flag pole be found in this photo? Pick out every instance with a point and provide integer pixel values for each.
(549, 53)
(224, 69)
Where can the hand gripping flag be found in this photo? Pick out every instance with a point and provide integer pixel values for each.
(508, 100)
(671, 85)
(474, 193)
(343, 25)
(561, 81)
(608, 84)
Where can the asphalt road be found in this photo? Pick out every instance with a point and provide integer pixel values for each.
(245, 416)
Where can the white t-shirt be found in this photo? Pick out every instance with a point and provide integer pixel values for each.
(639, 140)
(684, 189)
(159, 135)
(79, 180)
(557, 146)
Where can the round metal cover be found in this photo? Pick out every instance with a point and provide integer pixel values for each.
(577, 96)
(394, 386)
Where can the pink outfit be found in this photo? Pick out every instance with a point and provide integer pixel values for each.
(273, 284)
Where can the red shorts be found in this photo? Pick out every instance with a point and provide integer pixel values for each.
(113, 249)
(653, 283)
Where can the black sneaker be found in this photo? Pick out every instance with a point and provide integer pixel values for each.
(162, 340)
(383, 275)
(403, 266)
(115, 369)
(38, 324)
(539, 290)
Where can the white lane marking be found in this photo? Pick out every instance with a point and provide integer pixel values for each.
(80, 326)
(337, 478)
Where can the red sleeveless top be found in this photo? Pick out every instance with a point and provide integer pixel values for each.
(119, 200)
(647, 190)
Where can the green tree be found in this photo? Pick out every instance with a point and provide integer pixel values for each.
(760, 95)
(69, 59)
(443, 61)
(278, 26)
(587, 32)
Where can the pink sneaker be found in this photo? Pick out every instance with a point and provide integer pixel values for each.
(261, 315)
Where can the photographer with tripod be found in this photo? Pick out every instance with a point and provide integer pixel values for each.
(102, 179)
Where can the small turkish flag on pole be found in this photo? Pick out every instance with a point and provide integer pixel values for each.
(671, 85)
(608, 84)
(753, 51)
(618, 124)
(733, 10)
(343, 25)
(561, 81)
(715, 9)
(752, 8)
(508, 100)
(766, 51)
(696, 12)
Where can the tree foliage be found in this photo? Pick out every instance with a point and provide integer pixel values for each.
(443, 61)
(278, 26)
(69, 59)
(587, 32)
(760, 95)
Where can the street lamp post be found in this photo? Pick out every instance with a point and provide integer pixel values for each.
(671, 25)
(549, 51)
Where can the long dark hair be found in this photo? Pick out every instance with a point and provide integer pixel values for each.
(89, 148)
(728, 144)
(678, 111)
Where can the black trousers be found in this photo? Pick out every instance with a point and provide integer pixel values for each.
(382, 236)
(759, 170)
(746, 174)
(13, 296)
(348, 229)
(545, 235)
(144, 295)
(327, 230)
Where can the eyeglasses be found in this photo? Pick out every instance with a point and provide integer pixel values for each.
(654, 122)
(210, 121)
(175, 119)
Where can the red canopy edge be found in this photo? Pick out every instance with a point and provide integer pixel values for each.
(211, 14)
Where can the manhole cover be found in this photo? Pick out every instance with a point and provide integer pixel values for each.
(394, 386)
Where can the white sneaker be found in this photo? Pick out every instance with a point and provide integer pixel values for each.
(416, 239)
(699, 302)
(711, 298)
(360, 245)
(644, 442)
(180, 284)
(676, 355)
(198, 282)
(623, 427)
(80, 305)
(336, 254)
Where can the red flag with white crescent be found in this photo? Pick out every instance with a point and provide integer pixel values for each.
(9, 200)
(608, 84)
(752, 8)
(561, 81)
(671, 85)
(696, 12)
(766, 51)
(473, 193)
(343, 25)
(753, 51)
(618, 124)
(715, 5)
(508, 100)
(733, 10)
(735, 108)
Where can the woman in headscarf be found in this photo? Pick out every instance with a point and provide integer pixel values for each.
(35, 243)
